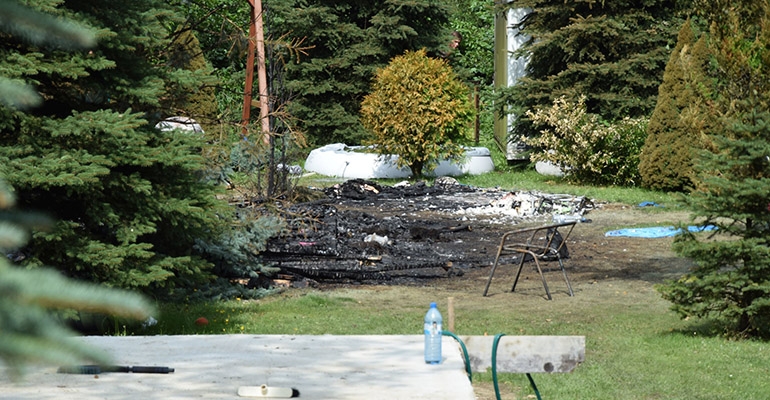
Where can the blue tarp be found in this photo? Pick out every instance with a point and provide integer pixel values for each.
(657, 231)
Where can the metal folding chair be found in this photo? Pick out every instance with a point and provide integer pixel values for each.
(534, 248)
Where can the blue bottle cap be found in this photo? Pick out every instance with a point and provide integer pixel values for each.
(433, 305)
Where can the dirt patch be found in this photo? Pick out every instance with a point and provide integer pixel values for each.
(364, 233)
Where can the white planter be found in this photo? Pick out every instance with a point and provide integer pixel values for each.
(549, 169)
(339, 160)
(181, 123)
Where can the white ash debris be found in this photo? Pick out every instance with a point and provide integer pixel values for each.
(531, 204)
(447, 195)
(381, 240)
(446, 182)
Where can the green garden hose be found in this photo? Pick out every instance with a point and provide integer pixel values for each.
(532, 383)
(494, 369)
(494, 363)
(465, 353)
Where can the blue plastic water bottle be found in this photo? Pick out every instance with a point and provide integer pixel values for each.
(433, 323)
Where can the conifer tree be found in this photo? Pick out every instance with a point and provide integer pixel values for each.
(193, 76)
(350, 40)
(614, 52)
(731, 280)
(342, 44)
(126, 197)
(419, 110)
(28, 329)
(666, 162)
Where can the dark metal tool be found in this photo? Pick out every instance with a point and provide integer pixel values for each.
(101, 369)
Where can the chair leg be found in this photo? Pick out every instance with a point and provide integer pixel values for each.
(518, 272)
(492, 272)
(540, 271)
(564, 271)
(489, 281)
(545, 285)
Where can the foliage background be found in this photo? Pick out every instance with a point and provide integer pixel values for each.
(613, 52)
(731, 282)
(29, 299)
(676, 130)
(127, 198)
(348, 42)
(588, 151)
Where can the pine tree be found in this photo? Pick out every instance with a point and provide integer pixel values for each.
(731, 280)
(127, 197)
(666, 162)
(29, 330)
(193, 75)
(236, 257)
(29, 300)
(343, 43)
(613, 52)
(350, 40)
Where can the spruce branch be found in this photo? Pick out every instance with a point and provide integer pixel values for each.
(38, 28)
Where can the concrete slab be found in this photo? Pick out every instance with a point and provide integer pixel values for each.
(215, 366)
(526, 354)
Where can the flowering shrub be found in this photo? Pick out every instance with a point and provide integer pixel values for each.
(588, 149)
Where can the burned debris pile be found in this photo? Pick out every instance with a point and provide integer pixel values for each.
(327, 243)
(366, 232)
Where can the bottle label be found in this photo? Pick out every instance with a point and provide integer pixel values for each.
(433, 329)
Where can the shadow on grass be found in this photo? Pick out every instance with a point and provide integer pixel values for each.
(719, 329)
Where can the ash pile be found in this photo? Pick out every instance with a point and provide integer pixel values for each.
(364, 232)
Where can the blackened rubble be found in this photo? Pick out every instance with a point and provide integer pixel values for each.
(366, 232)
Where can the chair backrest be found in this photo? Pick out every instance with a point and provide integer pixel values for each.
(557, 245)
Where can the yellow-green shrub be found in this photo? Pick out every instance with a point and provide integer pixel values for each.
(419, 110)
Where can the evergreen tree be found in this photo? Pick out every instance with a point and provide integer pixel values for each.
(666, 162)
(350, 40)
(419, 110)
(236, 257)
(331, 50)
(731, 280)
(473, 60)
(193, 74)
(613, 52)
(29, 331)
(127, 197)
